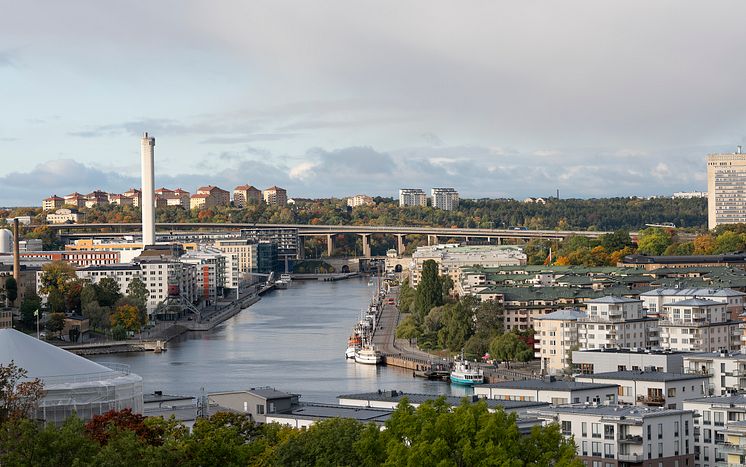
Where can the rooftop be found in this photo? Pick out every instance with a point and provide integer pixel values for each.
(568, 314)
(693, 292)
(558, 385)
(416, 399)
(642, 376)
(612, 411)
(736, 399)
(314, 411)
(613, 300)
(694, 302)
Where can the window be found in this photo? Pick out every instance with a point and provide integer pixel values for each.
(596, 449)
(609, 451)
(596, 430)
(259, 409)
(706, 417)
(566, 428)
(671, 392)
(660, 431)
(718, 418)
(608, 431)
(660, 449)
(585, 448)
(584, 428)
(649, 431)
(676, 430)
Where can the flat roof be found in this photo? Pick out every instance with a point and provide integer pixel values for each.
(612, 411)
(638, 351)
(735, 399)
(662, 376)
(560, 385)
(149, 398)
(315, 411)
(397, 396)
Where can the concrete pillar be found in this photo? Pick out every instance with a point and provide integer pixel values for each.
(499, 240)
(329, 245)
(366, 245)
(147, 146)
(432, 240)
(400, 244)
(466, 239)
(301, 248)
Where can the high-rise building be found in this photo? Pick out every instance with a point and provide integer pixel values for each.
(275, 196)
(726, 188)
(147, 150)
(412, 197)
(245, 194)
(444, 198)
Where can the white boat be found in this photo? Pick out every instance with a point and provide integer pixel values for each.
(465, 373)
(281, 284)
(368, 355)
(351, 352)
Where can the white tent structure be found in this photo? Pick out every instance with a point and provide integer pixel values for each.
(71, 383)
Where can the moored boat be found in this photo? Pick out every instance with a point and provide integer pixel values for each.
(465, 373)
(368, 355)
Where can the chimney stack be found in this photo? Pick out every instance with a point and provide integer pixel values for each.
(147, 145)
(16, 251)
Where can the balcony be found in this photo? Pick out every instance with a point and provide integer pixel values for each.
(631, 457)
(657, 401)
(630, 439)
(732, 448)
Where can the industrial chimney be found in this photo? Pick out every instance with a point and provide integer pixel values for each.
(147, 145)
(16, 251)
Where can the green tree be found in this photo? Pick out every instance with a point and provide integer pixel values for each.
(29, 305)
(55, 323)
(88, 295)
(98, 316)
(11, 289)
(56, 301)
(729, 242)
(429, 290)
(107, 291)
(509, 347)
(19, 395)
(654, 241)
(137, 291)
(331, 442)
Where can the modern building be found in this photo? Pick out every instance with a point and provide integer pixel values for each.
(243, 195)
(726, 371)
(210, 266)
(698, 325)
(257, 403)
(556, 335)
(64, 216)
(306, 414)
(555, 392)
(245, 250)
(287, 240)
(589, 361)
(412, 197)
(726, 188)
(444, 198)
(611, 435)
(614, 322)
(654, 300)
(652, 388)
(52, 203)
(690, 261)
(734, 448)
(360, 200)
(716, 416)
(122, 273)
(166, 276)
(275, 196)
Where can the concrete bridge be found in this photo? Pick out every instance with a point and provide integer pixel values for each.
(328, 231)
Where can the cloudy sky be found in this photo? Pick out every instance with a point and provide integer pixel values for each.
(494, 98)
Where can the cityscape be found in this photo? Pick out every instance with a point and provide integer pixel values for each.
(510, 264)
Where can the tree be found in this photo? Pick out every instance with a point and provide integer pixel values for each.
(11, 289)
(509, 347)
(98, 316)
(126, 316)
(107, 291)
(56, 275)
(653, 241)
(56, 301)
(29, 305)
(55, 323)
(88, 295)
(137, 291)
(429, 290)
(19, 397)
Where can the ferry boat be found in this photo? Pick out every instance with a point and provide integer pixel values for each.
(368, 355)
(465, 374)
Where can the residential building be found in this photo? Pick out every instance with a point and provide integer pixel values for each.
(614, 322)
(243, 195)
(555, 392)
(127, 250)
(444, 198)
(452, 257)
(654, 300)
(275, 196)
(136, 196)
(257, 403)
(245, 250)
(178, 198)
(121, 200)
(96, 198)
(164, 275)
(6, 319)
(727, 371)
(360, 200)
(692, 261)
(412, 197)
(64, 216)
(208, 197)
(734, 448)
(717, 414)
(210, 265)
(589, 361)
(78, 258)
(75, 200)
(122, 273)
(611, 435)
(52, 203)
(267, 257)
(652, 388)
(698, 325)
(556, 335)
(689, 194)
(163, 191)
(726, 188)
(287, 240)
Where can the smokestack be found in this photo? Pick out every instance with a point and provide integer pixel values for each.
(16, 251)
(738, 149)
(147, 145)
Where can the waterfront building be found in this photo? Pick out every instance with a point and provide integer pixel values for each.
(275, 196)
(726, 188)
(306, 414)
(550, 390)
(135, 195)
(654, 300)
(243, 195)
(210, 265)
(52, 203)
(412, 197)
(64, 216)
(266, 257)
(555, 335)
(726, 371)
(698, 325)
(450, 258)
(123, 274)
(164, 276)
(287, 240)
(614, 322)
(652, 388)
(257, 403)
(589, 361)
(360, 200)
(78, 258)
(734, 448)
(208, 197)
(245, 251)
(444, 198)
(75, 200)
(611, 435)
(716, 415)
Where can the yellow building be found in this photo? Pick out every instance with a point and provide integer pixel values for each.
(275, 196)
(734, 447)
(52, 203)
(245, 194)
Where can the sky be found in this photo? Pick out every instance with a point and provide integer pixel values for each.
(339, 97)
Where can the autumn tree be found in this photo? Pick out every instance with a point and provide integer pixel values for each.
(126, 316)
(19, 396)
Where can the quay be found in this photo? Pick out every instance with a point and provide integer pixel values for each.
(325, 277)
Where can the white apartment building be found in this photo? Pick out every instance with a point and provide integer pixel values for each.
(611, 435)
(52, 203)
(444, 198)
(122, 273)
(717, 414)
(698, 325)
(210, 265)
(615, 322)
(727, 372)
(245, 251)
(165, 276)
(452, 257)
(555, 392)
(689, 194)
(651, 388)
(653, 300)
(64, 216)
(360, 200)
(275, 196)
(555, 335)
(589, 361)
(726, 188)
(412, 197)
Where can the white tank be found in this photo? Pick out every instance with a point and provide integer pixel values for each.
(6, 241)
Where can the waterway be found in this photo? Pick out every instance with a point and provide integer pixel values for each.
(293, 340)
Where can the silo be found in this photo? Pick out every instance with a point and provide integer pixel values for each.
(6, 241)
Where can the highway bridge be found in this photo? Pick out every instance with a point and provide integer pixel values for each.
(328, 231)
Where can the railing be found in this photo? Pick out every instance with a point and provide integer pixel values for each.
(630, 457)
(732, 448)
(652, 400)
(120, 368)
(634, 439)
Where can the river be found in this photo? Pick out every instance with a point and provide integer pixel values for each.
(293, 340)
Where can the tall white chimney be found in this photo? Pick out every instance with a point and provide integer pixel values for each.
(147, 145)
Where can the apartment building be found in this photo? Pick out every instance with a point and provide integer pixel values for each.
(444, 198)
(164, 276)
(611, 435)
(698, 325)
(287, 240)
(96, 198)
(122, 273)
(243, 195)
(652, 388)
(275, 196)
(120, 200)
(245, 250)
(178, 197)
(208, 197)
(210, 269)
(614, 322)
(654, 300)
(734, 448)
(78, 258)
(556, 334)
(75, 199)
(360, 200)
(52, 203)
(726, 188)
(135, 195)
(716, 416)
(589, 361)
(64, 216)
(450, 258)
(412, 197)
(726, 371)
(555, 392)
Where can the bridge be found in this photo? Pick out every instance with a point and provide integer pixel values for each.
(328, 231)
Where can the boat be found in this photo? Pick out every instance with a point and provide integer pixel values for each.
(286, 277)
(368, 355)
(281, 284)
(465, 373)
(351, 352)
